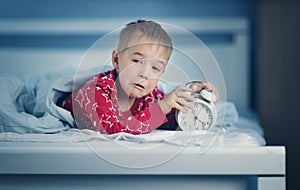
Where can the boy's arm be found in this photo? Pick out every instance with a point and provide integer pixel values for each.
(172, 123)
(141, 122)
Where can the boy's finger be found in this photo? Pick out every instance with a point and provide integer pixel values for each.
(198, 86)
(188, 97)
(183, 103)
(183, 89)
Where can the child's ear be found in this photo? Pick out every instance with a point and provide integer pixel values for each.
(115, 59)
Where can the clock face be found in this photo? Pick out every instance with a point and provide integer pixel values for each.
(198, 118)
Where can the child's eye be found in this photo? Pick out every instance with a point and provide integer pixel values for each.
(155, 68)
(137, 61)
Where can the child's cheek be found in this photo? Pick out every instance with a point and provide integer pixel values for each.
(152, 85)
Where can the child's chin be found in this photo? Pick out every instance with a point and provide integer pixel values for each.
(137, 95)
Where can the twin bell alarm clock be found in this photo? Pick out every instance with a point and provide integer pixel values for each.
(203, 115)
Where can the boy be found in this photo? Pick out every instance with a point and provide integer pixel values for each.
(126, 99)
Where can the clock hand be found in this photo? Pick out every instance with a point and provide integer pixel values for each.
(202, 122)
(195, 117)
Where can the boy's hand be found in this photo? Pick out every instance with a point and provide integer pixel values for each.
(179, 97)
(205, 85)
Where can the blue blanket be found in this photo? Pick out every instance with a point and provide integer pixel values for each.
(23, 105)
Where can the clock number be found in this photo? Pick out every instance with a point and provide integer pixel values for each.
(195, 105)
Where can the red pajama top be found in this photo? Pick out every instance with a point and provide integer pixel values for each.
(95, 106)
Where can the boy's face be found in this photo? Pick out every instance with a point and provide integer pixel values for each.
(139, 68)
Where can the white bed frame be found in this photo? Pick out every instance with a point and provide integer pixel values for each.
(75, 166)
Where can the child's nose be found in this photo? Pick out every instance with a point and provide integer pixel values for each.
(145, 71)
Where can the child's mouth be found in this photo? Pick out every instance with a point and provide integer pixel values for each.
(139, 86)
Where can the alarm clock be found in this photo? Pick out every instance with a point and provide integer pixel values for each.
(203, 115)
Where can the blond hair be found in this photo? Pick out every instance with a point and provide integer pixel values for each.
(141, 32)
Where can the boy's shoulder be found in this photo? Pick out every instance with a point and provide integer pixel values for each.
(105, 80)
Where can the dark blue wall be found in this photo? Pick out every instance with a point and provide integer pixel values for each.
(117, 8)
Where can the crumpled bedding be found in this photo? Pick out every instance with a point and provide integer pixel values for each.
(23, 105)
(28, 103)
(28, 113)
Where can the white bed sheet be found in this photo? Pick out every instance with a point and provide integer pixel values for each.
(245, 132)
